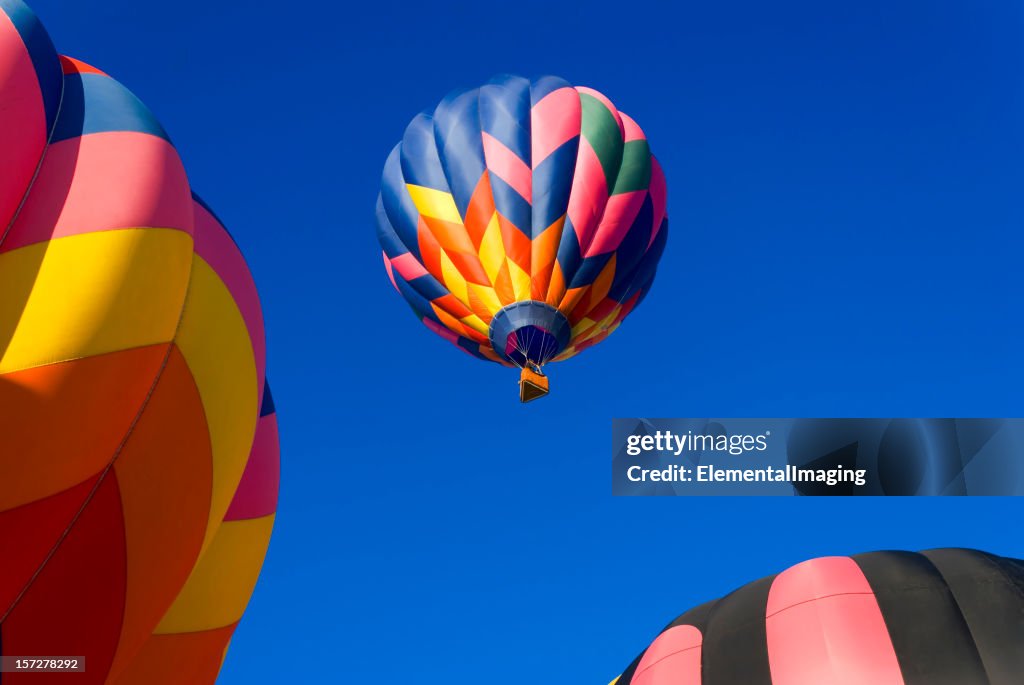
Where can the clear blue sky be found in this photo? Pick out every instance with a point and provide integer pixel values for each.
(845, 190)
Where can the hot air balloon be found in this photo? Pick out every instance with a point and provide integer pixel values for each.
(523, 221)
(941, 617)
(131, 378)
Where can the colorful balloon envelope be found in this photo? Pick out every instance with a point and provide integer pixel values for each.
(523, 221)
(941, 617)
(138, 450)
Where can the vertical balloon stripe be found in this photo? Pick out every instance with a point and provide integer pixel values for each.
(603, 130)
(504, 106)
(390, 242)
(635, 170)
(825, 626)
(504, 114)
(397, 218)
(929, 634)
(600, 153)
(626, 284)
(988, 592)
(225, 376)
(421, 165)
(674, 658)
(164, 465)
(554, 179)
(459, 143)
(587, 199)
(40, 50)
(638, 297)
(555, 117)
(631, 246)
(30, 79)
(555, 124)
(218, 249)
(735, 648)
(659, 193)
(223, 591)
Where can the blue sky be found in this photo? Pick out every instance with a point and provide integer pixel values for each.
(844, 191)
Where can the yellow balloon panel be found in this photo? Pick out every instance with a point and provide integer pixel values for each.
(91, 294)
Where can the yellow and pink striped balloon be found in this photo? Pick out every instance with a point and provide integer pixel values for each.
(138, 445)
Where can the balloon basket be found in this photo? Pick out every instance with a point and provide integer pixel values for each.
(532, 385)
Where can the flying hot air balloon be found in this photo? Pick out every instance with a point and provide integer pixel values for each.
(523, 221)
(132, 363)
(941, 617)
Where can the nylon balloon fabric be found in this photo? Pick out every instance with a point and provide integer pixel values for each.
(138, 479)
(522, 220)
(940, 617)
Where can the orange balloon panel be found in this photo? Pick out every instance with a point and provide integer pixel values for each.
(196, 629)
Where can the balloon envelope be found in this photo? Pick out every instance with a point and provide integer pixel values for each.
(941, 617)
(522, 220)
(131, 375)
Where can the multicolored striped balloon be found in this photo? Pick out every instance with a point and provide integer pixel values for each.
(138, 481)
(942, 617)
(522, 220)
